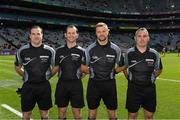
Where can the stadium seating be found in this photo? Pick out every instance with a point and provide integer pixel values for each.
(115, 6)
(15, 37)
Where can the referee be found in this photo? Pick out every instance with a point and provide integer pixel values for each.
(143, 66)
(67, 63)
(33, 63)
(101, 58)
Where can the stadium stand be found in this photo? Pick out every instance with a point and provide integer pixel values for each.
(15, 37)
(116, 6)
(123, 17)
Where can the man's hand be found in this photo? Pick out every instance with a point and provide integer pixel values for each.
(54, 70)
(19, 70)
(119, 69)
(84, 69)
(157, 72)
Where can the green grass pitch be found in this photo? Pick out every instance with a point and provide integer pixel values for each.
(168, 92)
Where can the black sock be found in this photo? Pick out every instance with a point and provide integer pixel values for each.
(44, 118)
(61, 118)
(113, 118)
(91, 118)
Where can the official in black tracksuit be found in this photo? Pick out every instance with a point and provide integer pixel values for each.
(143, 66)
(33, 63)
(101, 58)
(68, 60)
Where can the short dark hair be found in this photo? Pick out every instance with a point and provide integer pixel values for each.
(101, 24)
(37, 26)
(71, 26)
(141, 29)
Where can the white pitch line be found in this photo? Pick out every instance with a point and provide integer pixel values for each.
(171, 80)
(12, 110)
(6, 61)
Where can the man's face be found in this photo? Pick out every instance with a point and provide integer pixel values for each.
(71, 35)
(102, 33)
(142, 39)
(36, 36)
